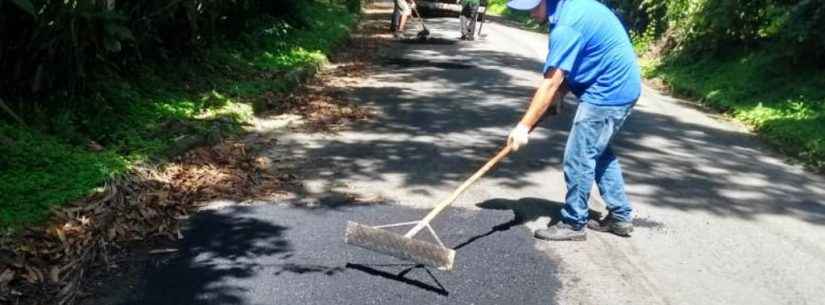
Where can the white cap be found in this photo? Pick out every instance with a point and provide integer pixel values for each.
(523, 5)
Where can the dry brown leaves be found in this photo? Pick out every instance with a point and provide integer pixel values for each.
(228, 171)
(323, 100)
(324, 110)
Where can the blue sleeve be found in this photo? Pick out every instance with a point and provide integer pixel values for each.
(565, 46)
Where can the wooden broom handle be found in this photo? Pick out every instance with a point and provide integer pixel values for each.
(443, 204)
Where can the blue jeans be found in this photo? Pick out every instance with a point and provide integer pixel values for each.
(588, 158)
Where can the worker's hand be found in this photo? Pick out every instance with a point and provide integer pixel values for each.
(518, 136)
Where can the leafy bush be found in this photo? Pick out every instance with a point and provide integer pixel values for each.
(805, 29)
(51, 45)
(713, 27)
(40, 170)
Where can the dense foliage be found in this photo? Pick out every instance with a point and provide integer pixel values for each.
(50, 45)
(759, 61)
(716, 26)
(139, 104)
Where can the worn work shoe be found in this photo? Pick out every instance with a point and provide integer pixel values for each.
(561, 232)
(612, 225)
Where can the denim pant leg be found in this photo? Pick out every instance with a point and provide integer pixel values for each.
(585, 155)
(611, 185)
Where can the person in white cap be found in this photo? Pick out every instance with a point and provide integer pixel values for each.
(590, 52)
(404, 9)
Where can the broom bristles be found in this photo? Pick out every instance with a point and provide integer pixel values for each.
(397, 245)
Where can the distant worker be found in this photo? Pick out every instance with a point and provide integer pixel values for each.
(468, 17)
(404, 10)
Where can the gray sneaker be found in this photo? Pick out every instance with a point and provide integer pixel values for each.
(612, 225)
(561, 232)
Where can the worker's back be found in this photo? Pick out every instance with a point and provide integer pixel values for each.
(604, 70)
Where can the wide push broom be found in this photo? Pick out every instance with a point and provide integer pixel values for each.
(405, 246)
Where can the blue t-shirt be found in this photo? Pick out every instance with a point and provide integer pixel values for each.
(589, 43)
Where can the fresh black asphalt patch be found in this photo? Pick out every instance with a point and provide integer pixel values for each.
(404, 63)
(277, 254)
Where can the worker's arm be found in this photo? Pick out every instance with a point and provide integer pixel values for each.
(558, 99)
(545, 95)
(549, 90)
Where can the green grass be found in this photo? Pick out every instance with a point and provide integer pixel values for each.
(41, 170)
(137, 119)
(784, 104)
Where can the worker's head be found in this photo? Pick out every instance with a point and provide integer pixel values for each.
(537, 8)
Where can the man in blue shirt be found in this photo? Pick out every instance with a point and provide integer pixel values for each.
(590, 55)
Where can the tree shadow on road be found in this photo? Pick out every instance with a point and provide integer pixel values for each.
(218, 249)
(524, 210)
(431, 137)
(439, 132)
(703, 168)
(400, 277)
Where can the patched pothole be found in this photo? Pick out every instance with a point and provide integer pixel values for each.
(404, 63)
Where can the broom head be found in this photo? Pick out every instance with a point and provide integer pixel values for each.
(397, 245)
(423, 34)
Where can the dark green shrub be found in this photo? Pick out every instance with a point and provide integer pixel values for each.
(47, 46)
(805, 30)
(353, 5)
(795, 28)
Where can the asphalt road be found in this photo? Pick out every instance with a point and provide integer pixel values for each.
(720, 218)
(284, 255)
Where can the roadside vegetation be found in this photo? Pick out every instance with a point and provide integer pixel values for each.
(499, 8)
(139, 82)
(784, 104)
(760, 62)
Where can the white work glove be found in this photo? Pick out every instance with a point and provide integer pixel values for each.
(518, 136)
